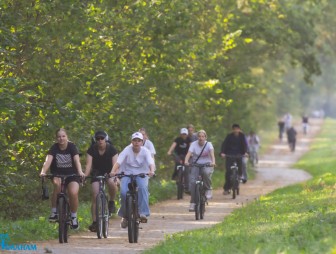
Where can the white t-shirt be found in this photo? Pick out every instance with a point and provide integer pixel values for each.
(130, 163)
(196, 149)
(150, 146)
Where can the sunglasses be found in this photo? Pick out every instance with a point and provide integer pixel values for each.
(100, 138)
(137, 140)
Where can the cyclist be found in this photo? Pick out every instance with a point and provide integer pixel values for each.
(202, 152)
(134, 159)
(253, 142)
(180, 146)
(63, 159)
(100, 158)
(234, 145)
(147, 143)
(191, 132)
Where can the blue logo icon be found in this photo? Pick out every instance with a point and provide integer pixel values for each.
(4, 238)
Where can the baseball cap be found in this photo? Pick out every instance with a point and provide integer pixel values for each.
(100, 134)
(137, 135)
(184, 131)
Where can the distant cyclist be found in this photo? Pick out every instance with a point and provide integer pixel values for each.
(63, 159)
(234, 145)
(179, 149)
(202, 152)
(134, 159)
(253, 143)
(100, 158)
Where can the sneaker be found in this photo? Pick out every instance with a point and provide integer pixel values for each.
(244, 180)
(123, 223)
(192, 207)
(93, 227)
(111, 207)
(208, 194)
(143, 218)
(74, 223)
(226, 192)
(53, 217)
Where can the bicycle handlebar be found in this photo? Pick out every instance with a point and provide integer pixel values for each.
(59, 176)
(235, 156)
(200, 165)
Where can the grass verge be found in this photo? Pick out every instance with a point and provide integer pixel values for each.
(296, 219)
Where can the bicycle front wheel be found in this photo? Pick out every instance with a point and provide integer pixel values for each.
(202, 206)
(197, 201)
(132, 219)
(234, 184)
(100, 214)
(62, 220)
(179, 183)
(106, 218)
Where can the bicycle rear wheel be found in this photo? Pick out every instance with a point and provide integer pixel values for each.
(100, 214)
(131, 219)
(179, 183)
(106, 218)
(197, 201)
(62, 220)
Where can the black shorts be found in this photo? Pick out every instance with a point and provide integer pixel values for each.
(99, 173)
(67, 172)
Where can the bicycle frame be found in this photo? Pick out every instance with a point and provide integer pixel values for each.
(102, 212)
(63, 208)
(200, 198)
(132, 210)
(180, 181)
(234, 176)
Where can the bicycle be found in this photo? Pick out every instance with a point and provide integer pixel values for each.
(180, 181)
(253, 156)
(63, 207)
(132, 210)
(102, 211)
(234, 176)
(200, 197)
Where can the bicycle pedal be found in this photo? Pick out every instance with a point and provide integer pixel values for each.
(143, 220)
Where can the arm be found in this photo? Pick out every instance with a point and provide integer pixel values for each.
(186, 159)
(78, 165)
(172, 147)
(115, 169)
(88, 166)
(213, 159)
(46, 164)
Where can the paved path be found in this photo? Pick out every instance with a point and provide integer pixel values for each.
(172, 216)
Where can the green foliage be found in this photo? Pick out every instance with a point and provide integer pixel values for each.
(296, 219)
(120, 65)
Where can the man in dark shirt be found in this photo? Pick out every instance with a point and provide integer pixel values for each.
(234, 145)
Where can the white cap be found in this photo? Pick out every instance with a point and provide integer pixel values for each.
(184, 131)
(137, 135)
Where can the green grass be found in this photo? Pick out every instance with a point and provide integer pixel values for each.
(296, 219)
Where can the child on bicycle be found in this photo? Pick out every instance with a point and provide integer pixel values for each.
(134, 159)
(63, 159)
(202, 152)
